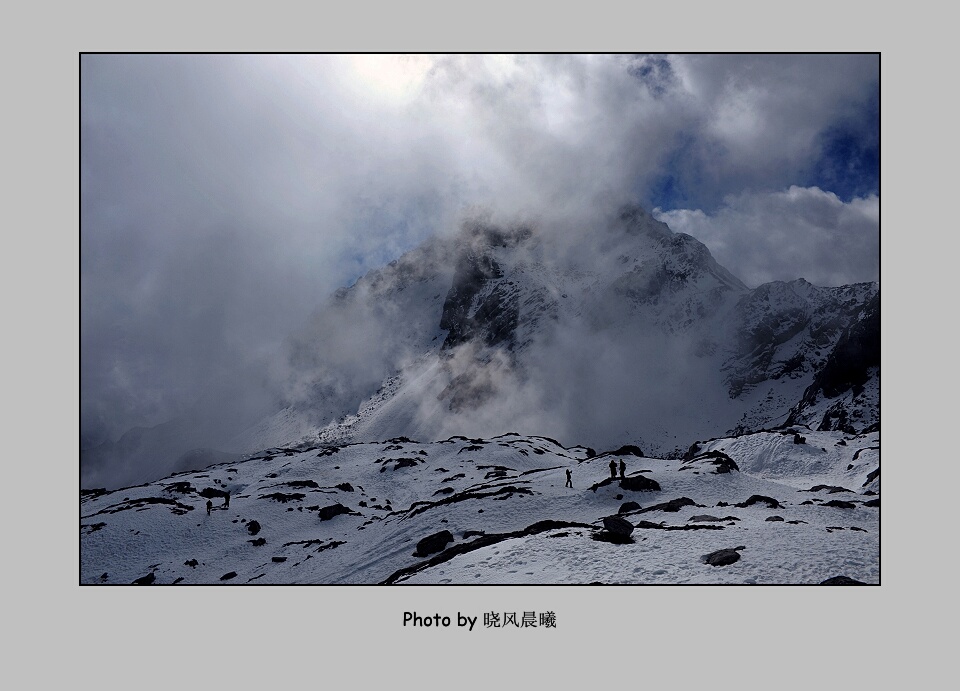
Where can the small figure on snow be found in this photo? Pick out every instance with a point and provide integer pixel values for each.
(569, 479)
(226, 500)
(209, 506)
(623, 467)
(613, 468)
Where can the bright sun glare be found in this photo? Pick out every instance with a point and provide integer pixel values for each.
(392, 77)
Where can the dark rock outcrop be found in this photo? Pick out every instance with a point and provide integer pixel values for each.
(671, 506)
(701, 518)
(723, 463)
(328, 512)
(629, 506)
(841, 580)
(433, 543)
(760, 499)
(618, 526)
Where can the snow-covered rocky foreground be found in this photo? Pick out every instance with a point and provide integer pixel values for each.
(792, 506)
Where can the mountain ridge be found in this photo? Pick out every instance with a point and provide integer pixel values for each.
(469, 332)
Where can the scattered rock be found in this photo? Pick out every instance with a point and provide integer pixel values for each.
(253, 527)
(757, 499)
(873, 503)
(702, 518)
(774, 518)
(671, 506)
(192, 563)
(283, 497)
(831, 489)
(259, 542)
(302, 484)
(628, 506)
(278, 560)
(840, 504)
(145, 580)
(228, 576)
(613, 538)
(345, 487)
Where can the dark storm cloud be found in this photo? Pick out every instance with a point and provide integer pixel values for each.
(224, 197)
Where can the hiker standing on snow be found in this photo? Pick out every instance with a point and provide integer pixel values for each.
(226, 500)
(209, 506)
(569, 479)
(613, 468)
(623, 467)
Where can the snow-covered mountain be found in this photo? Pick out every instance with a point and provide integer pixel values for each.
(639, 338)
(507, 352)
(482, 511)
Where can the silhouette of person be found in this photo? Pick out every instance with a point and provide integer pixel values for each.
(226, 500)
(569, 479)
(209, 506)
(613, 468)
(623, 467)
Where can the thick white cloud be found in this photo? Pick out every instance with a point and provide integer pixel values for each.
(797, 233)
(224, 197)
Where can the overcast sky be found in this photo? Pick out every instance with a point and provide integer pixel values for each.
(223, 198)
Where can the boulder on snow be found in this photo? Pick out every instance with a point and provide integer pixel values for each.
(618, 525)
(628, 506)
(639, 483)
(671, 506)
(706, 518)
(722, 557)
(253, 527)
(837, 503)
(433, 543)
(145, 580)
(760, 499)
(328, 512)
(841, 580)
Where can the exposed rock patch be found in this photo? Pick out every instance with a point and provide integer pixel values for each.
(722, 557)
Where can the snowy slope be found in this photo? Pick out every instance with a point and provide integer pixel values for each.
(510, 517)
